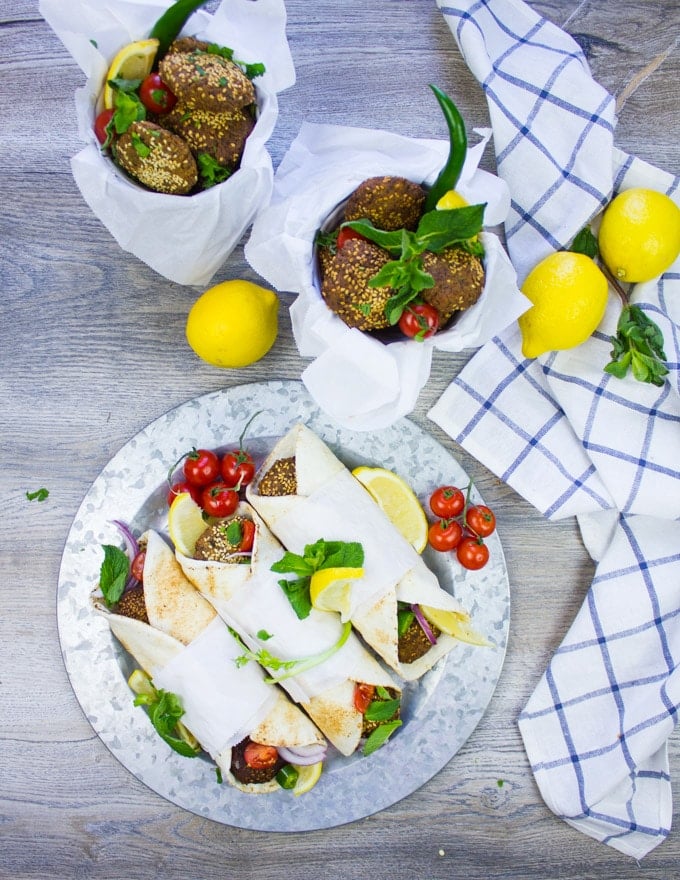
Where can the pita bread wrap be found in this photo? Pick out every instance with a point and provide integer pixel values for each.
(330, 503)
(248, 598)
(187, 649)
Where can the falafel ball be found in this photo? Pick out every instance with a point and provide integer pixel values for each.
(388, 202)
(345, 286)
(203, 80)
(221, 135)
(156, 158)
(458, 280)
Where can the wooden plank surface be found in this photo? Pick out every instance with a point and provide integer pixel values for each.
(92, 349)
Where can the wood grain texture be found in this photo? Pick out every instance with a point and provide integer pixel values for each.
(92, 349)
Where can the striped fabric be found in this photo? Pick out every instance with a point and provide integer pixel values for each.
(577, 442)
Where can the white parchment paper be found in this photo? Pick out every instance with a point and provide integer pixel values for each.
(184, 238)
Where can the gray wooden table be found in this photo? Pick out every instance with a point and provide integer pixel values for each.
(92, 349)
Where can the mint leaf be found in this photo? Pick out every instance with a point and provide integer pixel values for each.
(38, 495)
(113, 574)
(438, 230)
(165, 710)
(390, 241)
(292, 563)
(585, 243)
(638, 346)
(297, 593)
(379, 737)
(381, 710)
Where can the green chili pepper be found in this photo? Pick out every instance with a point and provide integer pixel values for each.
(287, 776)
(448, 176)
(171, 23)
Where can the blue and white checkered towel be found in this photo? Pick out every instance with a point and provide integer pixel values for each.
(575, 441)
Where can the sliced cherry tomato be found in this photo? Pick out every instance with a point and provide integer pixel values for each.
(247, 536)
(419, 321)
(137, 565)
(201, 467)
(260, 757)
(447, 501)
(184, 486)
(101, 127)
(445, 534)
(219, 500)
(345, 234)
(363, 696)
(481, 520)
(237, 468)
(155, 95)
(472, 553)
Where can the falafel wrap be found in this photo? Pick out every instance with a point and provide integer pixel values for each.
(248, 596)
(321, 499)
(187, 650)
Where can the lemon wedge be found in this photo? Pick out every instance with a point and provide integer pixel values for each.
(134, 61)
(451, 199)
(330, 589)
(140, 682)
(456, 624)
(185, 523)
(308, 776)
(396, 498)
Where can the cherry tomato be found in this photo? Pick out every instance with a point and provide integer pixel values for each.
(260, 757)
(247, 536)
(137, 565)
(219, 500)
(184, 486)
(447, 501)
(101, 126)
(201, 467)
(237, 468)
(363, 696)
(481, 520)
(445, 534)
(345, 234)
(419, 321)
(155, 95)
(472, 553)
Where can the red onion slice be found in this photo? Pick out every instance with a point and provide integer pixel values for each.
(425, 626)
(303, 755)
(131, 548)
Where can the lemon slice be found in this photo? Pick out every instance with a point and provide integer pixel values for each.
(330, 589)
(134, 61)
(140, 682)
(451, 199)
(185, 523)
(396, 498)
(456, 624)
(308, 776)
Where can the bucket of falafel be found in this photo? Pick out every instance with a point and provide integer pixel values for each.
(391, 245)
(176, 113)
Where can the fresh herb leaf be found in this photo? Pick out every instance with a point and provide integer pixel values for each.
(140, 147)
(638, 346)
(441, 229)
(250, 70)
(327, 240)
(211, 171)
(113, 573)
(292, 563)
(585, 243)
(218, 775)
(165, 710)
(381, 710)
(38, 495)
(297, 593)
(380, 736)
(233, 532)
(127, 107)
(263, 635)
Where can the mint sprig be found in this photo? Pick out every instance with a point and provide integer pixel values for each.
(165, 710)
(638, 347)
(113, 574)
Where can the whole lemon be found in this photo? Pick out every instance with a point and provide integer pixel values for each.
(639, 235)
(569, 296)
(233, 324)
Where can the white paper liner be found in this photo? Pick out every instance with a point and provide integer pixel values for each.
(222, 702)
(184, 238)
(361, 382)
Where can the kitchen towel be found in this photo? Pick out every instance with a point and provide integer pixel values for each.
(577, 442)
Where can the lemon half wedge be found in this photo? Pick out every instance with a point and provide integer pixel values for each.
(330, 589)
(134, 61)
(451, 199)
(308, 776)
(456, 624)
(396, 498)
(185, 523)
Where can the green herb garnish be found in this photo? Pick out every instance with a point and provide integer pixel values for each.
(114, 573)
(638, 346)
(165, 710)
(380, 736)
(210, 170)
(38, 495)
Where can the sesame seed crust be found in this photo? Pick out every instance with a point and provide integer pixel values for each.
(168, 167)
(458, 280)
(345, 284)
(388, 202)
(205, 81)
(280, 479)
(222, 135)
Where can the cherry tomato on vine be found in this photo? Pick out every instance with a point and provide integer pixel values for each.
(445, 534)
(260, 757)
(101, 126)
(419, 321)
(237, 468)
(345, 234)
(155, 95)
(481, 520)
(447, 501)
(201, 467)
(137, 565)
(184, 486)
(363, 696)
(219, 500)
(472, 553)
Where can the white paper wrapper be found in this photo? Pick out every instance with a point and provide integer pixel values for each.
(184, 238)
(361, 382)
